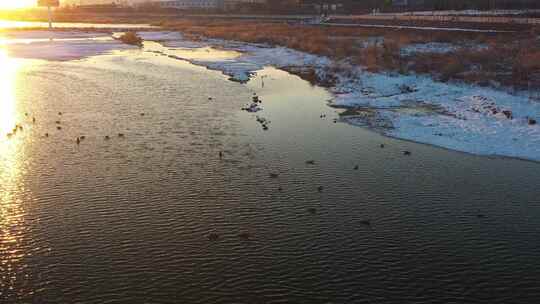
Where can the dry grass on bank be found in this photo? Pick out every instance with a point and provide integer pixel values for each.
(510, 59)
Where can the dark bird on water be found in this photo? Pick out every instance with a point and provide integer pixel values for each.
(59, 113)
(310, 162)
(58, 128)
(213, 236)
(382, 145)
(356, 167)
(107, 137)
(406, 152)
(120, 134)
(244, 235)
(78, 140)
(46, 134)
(220, 154)
(320, 188)
(366, 222)
(274, 175)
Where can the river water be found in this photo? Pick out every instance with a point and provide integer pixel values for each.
(157, 216)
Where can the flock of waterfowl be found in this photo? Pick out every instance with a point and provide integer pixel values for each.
(254, 107)
(311, 210)
(264, 123)
(19, 127)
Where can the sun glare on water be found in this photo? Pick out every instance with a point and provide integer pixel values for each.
(13, 4)
(7, 98)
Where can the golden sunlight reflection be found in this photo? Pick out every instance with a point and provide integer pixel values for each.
(12, 221)
(8, 69)
(15, 4)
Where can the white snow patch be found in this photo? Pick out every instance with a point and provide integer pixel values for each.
(438, 48)
(466, 118)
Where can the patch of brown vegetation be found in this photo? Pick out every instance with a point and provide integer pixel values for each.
(310, 74)
(131, 38)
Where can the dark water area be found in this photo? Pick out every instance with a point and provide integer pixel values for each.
(157, 216)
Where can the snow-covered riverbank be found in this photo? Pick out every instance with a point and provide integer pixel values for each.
(455, 116)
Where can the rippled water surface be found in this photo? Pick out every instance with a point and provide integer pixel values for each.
(156, 216)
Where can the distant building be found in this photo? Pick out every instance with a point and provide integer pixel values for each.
(231, 5)
(192, 4)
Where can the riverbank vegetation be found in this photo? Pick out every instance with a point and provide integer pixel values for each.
(131, 38)
(487, 59)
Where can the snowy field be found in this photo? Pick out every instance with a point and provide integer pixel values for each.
(455, 116)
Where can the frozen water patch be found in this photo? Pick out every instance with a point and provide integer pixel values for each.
(41, 35)
(59, 45)
(160, 36)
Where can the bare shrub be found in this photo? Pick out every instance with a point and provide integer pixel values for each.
(131, 38)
